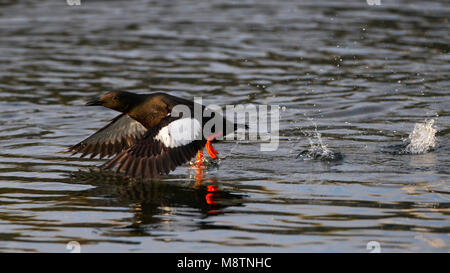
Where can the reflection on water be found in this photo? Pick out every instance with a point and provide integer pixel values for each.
(364, 75)
(151, 199)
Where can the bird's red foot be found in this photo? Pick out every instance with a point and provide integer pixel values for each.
(210, 149)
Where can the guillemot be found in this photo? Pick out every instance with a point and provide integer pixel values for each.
(146, 140)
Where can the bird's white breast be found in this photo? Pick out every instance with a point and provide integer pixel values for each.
(180, 132)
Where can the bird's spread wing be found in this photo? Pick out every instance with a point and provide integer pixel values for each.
(121, 133)
(161, 150)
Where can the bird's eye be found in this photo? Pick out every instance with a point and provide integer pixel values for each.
(115, 98)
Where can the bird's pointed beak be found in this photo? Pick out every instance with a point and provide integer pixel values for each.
(94, 102)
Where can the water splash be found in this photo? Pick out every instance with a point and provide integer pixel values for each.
(317, 149)
(422, 139)
(205, 163)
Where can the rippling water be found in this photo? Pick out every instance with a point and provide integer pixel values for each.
(364, 74)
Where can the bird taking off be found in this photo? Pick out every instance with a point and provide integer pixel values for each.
(146, 140)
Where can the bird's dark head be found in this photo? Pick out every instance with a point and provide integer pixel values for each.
(117, 100)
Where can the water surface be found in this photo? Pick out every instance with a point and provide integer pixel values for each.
(364, 75)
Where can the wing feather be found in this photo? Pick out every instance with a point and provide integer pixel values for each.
(121, 133)
(150, 158)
